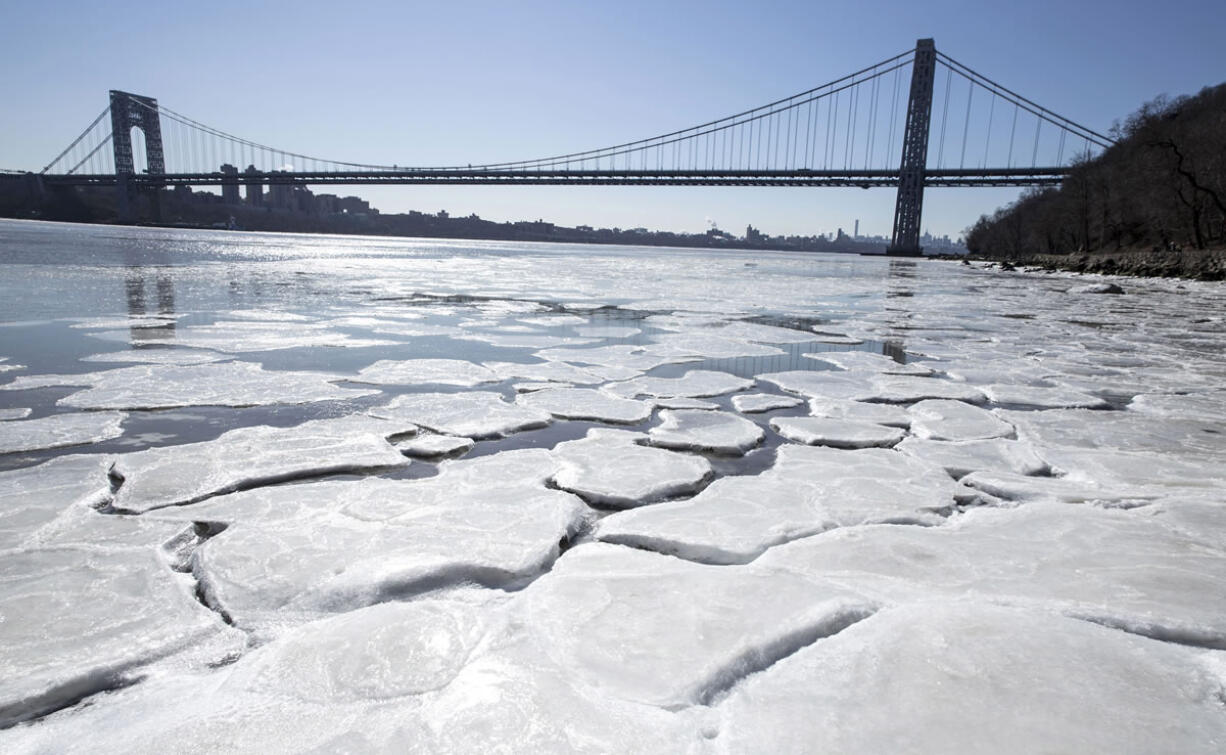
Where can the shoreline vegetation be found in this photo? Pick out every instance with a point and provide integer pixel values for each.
(1153, 204)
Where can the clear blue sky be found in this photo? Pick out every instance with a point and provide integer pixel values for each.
(459, 82)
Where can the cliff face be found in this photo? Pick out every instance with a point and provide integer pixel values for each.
(1149, 201)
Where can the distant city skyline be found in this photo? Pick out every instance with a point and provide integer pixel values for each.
(480, 82)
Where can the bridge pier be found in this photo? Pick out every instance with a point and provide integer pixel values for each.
(909, 206)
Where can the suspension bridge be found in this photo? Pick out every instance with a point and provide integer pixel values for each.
(949, 126)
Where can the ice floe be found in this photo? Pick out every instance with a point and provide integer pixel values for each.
(16, 412)
(693, 384)
(324, 547)
(1111, 567)
(558, 372)
(82, 620)
(610, 468)
(1039, 397)
(904, 389)
(430, 446)
(836, 433)
(59, 430)
(941, 419)
(960, 458)
(32, 497)
(475, 414)
(950, 677)
(863, 360)
(425, 371)
(751, 403)
(704, 430)
(245, 458)
(587, 403)
(158, 356)
(809, 490)
(882, 414)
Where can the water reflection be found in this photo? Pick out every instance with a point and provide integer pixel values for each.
(161, 326)
(899, 285)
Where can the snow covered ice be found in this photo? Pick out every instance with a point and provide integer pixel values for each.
(370, 495)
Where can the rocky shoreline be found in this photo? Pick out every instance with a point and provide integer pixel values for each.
(1195, 264)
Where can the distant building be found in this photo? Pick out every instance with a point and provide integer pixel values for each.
(229, 186)
(255, 189)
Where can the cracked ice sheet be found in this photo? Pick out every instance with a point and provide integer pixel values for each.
(1108, 566)
(865, 361)
(475, 414)
(249, 457)
(705, 430)
(59, 430)
(555, 372)
(809, 490)
(960, 458)
(32, 497)
(752, 403)
(586, 403)
(693, 384)
(294, 552)
(220, 384)
(967, 677)
(651, 629)
(396, 677)
(836, 433)
(425, 371)
(609, 468)
(1039, 397)
(881, 414)
(80, 620)
(937, 419)
(1125, 430)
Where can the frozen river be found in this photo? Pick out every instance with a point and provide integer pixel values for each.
(282, 493)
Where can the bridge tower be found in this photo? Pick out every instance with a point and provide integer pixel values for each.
(910, 203)
(130, 111)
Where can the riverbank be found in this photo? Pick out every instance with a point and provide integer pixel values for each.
(1195, 264)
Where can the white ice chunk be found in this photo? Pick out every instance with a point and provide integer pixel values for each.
(882, 414)
(78, 621)
(475, 414)
(1206, 407)
(752, 331)
(338, 545)
(702, 430)
(158, 356)
(863, 360)
(221, 384)
(429, 446)
(425, 371)
(1112, 567)
(59, 430)
(904, 389)
(11, 413)
(586, 403)
(1123, 430)
(820, 383)
(652, 629)
(693, 384)
(608, 467)
(523, 340)
(960, 458)
(686, 403)
(735, 519)
(31, 497)
(1039, 397)
(966, 677)
(939, 419)
(837, 433)
(622, 356)
(707, 346)
(245, 458)
(557, 372)
(751, 403)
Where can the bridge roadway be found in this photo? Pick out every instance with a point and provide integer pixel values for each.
(1046, 176)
